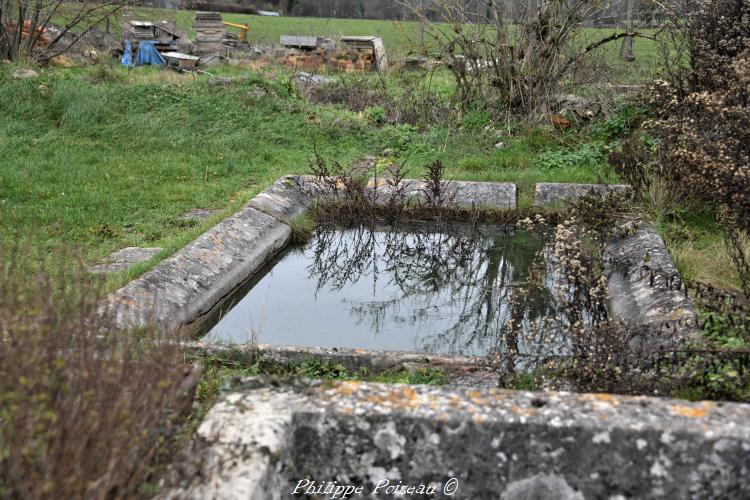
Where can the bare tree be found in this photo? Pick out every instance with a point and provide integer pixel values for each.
(39, 30)
(517, 67)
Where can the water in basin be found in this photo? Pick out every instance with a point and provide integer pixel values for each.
(426, 287)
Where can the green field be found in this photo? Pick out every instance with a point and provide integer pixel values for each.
(266, 30)
(400, 37)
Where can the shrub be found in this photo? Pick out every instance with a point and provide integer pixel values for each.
(620, 124)
(718, 34)
(84, 411)
(701, 123)
(475, 119)
(511, 62)
(414, 105)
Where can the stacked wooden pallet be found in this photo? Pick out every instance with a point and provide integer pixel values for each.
(209, 33)
(311, 60)
(360, 53)
(41, 33)
(369, 45)
(341, 60)
(354, 60)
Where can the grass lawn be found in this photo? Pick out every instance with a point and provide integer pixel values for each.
(103, 158)
(104, 165)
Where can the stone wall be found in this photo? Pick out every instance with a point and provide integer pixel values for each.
(261, 442)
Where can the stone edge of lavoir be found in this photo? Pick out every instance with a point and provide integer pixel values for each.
(260, 441)
(181, 291)
(257, 441)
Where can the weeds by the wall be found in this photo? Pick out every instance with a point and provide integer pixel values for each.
(221, 369)
(613, 356)
(360, 191)
(436, 191)
(408, 103)
(302, 228)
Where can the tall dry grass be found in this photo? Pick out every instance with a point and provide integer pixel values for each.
(85, 411)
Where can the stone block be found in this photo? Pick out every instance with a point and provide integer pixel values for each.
(553, 195)
(495, 443)
(650, 292)
(461, 194)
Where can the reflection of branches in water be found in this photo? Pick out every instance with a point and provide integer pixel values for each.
(465, 271)
(570, 267)
(342, 258)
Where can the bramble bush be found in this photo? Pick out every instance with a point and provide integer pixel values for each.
(698, 146)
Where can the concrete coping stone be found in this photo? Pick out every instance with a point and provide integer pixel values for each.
(287, 198)
(462, 194)
(291, 196)
(186, 286)
(555, 195)
(262, 438)
(650, 291)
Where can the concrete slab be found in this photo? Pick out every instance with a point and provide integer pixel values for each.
(485, 195)
(461, 194)
(263, 442)
(554, 195)
(122, 259)
(644, 285)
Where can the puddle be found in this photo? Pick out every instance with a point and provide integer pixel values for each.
(439, 288)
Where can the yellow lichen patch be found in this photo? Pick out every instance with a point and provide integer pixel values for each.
(477, 398)
(348, 387)
(526, 412)
(606, 398)
(398, 398)
(690, 411)
(498, 393)
(455, 401)
(405, 398)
